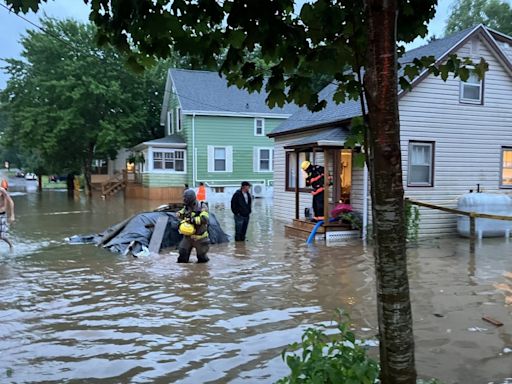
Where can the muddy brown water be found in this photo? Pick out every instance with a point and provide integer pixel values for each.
(80, 314)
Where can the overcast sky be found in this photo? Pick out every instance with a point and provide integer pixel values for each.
(12, 27)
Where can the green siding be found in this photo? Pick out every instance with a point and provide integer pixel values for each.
(163, 179)
(237, 132)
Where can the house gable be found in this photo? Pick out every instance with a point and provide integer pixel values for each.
(466, 138)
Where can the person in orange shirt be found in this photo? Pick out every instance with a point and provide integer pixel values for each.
(201, 193)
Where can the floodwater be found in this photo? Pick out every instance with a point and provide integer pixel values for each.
(80, 314)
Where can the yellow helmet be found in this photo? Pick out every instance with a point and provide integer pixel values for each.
(186, 229)
(305, 165)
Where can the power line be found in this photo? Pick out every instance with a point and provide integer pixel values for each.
(57, 37)
(67, 43)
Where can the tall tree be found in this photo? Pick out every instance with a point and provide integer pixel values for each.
(496, 14)
(72, 102)
(337, 39)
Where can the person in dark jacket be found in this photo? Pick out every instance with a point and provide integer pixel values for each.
(194, 220)
(241, 207)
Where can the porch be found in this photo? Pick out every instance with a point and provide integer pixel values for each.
(326, 149)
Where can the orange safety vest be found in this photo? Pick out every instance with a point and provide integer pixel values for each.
(201, 193)
(5, 184)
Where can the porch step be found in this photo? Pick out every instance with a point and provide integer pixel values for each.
(306, 226)
(303, 228)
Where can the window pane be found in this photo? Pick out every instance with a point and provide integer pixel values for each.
(220, 153)
(473, 78)
(264, 165)
(506, 168)
(420, 163)
(471, 92)
(292, 169)
(220, 165)
(420, 154)
(180, 165)
(157, 164)
(420, 174)
(264, 154)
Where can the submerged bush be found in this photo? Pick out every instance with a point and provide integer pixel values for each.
(329, 359)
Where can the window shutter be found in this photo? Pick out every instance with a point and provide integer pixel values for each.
(210, 158)
(229, 159)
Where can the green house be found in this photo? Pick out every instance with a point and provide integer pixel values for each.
(215, 134)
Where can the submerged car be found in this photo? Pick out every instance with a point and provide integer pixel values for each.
(30, 176)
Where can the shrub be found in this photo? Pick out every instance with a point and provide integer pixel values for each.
(329, 359)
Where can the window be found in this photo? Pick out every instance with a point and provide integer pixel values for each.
(169, 160)
(506, 167)
(259, 127)
(178, 119)
(421, 164)
(263, 159)
(99, 167)
(471, 89)
(291, 170)
(220, 159)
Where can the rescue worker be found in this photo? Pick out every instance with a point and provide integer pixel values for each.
(6, 215)
(194, 228)
(315, 179)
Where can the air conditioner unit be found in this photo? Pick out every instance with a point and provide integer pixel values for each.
(258, 190)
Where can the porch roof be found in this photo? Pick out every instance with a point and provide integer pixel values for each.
(172, 141)
(329, 138)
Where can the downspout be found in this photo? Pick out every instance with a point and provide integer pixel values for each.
(194, 158)
(365, 200)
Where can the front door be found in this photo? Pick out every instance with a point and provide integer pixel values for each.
(345, 176)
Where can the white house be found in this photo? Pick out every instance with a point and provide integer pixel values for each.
(455, 136)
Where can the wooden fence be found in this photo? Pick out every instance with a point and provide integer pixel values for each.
(472, 217)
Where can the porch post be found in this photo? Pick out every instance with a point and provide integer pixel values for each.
(326, 186)
(297, 167)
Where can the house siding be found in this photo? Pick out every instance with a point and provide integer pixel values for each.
(468, 139)
(163, 179)
(237, 132)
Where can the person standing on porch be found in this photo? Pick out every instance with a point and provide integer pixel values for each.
(241, 203)
(6, 213)
(315, 179)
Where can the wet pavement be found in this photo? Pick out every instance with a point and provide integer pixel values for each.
(80, 314)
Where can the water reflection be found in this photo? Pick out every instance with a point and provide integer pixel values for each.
(82, 313)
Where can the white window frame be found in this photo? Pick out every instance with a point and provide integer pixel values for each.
(257, 159)
(479, 85)
(430, 182)
(503, 167)
(211, 158)
(290, 171)
(262, 133)
(164, 151)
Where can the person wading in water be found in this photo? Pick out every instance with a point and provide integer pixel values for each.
(6, 212)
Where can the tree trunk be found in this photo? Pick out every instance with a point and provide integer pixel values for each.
(384, 162)
(88, 171)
